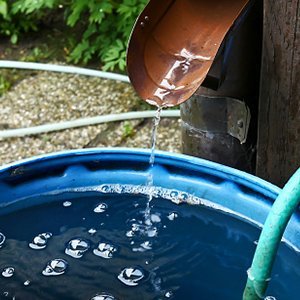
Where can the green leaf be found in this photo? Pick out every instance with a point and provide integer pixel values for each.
(3, 9)
(14, 38)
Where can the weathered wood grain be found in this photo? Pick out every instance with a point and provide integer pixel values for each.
(278, 153)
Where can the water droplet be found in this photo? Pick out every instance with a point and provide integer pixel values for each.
(55, 267)
(102, 207)
(168, 294)
(8, 272)
(77, 247)
(2, 239)
(172, 216)
(103, 296)
(67, 203)
(92, 231)
(142, 24)
(146, 18)
(270, 298)
(105, 250)
(40, 241)
(27, 282)
(131, 276)
(256, 242)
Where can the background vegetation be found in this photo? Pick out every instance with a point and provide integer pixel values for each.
(99, 28)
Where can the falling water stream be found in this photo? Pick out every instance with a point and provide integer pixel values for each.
(149, 183)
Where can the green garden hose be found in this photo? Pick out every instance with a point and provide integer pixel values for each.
(260, 272)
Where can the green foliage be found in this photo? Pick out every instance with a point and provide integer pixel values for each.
(4, 85)
(104, 26)
(128, 130)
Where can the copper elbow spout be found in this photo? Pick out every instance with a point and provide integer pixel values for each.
(173, 46)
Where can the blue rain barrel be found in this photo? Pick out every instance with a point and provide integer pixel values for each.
(73, 226)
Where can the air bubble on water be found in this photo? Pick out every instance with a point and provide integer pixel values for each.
(103, 296)
(27, 282)
(2, 239)
(172, 216)
(8, 272)
(40, 241)
(131, 276)
(142, 24)
(67, 203)
(168, 294)
(105, 250)
(7, 296)
(92, 231)
(152, 232)
(174, 194)
(105, 188)
(270, 298)
(183, 197)
(145, 246)
(102, 207)
(77, 247)
(155, 218)
(146, 18)
(55, 267)
(256, 242)
(130, 233)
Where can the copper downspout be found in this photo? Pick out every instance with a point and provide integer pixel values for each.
(174, 44)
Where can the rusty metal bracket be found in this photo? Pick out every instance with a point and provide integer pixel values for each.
(217, 115)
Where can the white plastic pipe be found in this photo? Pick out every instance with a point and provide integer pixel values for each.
(9, 64)
(9, 133)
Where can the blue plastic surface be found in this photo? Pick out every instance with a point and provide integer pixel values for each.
(247, 195)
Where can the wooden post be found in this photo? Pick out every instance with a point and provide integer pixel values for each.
(278, 153)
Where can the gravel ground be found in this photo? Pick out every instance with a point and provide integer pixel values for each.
(54, 97)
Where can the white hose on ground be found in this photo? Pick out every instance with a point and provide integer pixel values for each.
(9, 64)
(9, 133)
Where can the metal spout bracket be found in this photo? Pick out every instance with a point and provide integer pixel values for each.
(217, 115)
(173, 46)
